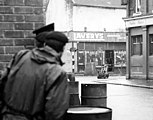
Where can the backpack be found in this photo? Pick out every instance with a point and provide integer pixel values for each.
(4, 76)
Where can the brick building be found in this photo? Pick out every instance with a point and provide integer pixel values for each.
(18, 18)
(139, 25)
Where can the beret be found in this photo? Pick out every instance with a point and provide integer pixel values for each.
(56, 40)
(41, 37)
(57, 36)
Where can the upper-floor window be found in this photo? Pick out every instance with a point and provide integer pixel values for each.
(151, 44)
(135, 7)
(138, 6)
(136, 45)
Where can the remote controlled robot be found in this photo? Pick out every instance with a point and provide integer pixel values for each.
(102, 71)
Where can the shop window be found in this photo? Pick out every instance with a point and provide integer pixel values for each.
(137, 45)
(151, 44)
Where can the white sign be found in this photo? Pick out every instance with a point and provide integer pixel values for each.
(134, 23)
(88, 36)
(139, 21)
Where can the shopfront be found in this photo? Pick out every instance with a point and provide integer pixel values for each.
(97, 48)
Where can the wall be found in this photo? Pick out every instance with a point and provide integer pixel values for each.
(67, 17)
(60, 12)
(98, 19)
(18, 18)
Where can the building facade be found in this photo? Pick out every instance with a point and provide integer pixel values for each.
(95, 38)
(98, 48)
(139, 26)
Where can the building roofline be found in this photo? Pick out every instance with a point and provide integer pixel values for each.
(138, 17)
(100, 6)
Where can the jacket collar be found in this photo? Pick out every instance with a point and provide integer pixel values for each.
(46, 54)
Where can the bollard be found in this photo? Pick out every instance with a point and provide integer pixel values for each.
(74, 93)
(94, 94)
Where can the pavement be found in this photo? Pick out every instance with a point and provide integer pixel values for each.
(121, 80)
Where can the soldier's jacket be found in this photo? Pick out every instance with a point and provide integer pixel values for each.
(37, 86)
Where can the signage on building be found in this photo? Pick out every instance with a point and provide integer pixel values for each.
(139, 21)
(88, 36)
(99, 36)
(134, 23)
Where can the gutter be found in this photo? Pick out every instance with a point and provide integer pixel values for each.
(100, 6)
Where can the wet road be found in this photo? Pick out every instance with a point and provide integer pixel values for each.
(130, 103)
(127, 103)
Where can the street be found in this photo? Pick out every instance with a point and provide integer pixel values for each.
(126, 102)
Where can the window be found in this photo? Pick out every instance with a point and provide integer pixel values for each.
(138, 6)
(151, 44)
(137, 45)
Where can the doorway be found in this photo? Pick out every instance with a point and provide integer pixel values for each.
(109, 59)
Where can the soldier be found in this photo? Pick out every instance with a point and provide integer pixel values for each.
(37, 86)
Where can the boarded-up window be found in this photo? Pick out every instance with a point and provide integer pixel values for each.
(135, 7)
(138, 6)
(136, 45)
(151, 44)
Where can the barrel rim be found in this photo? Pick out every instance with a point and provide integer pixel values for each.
(109, 109)
(93, 97)
(93, 84)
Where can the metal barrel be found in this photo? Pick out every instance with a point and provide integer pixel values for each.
(94, 94)
(74, 93)
(88, 113)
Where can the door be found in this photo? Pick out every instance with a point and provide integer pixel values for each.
(81, 61)
(109, 59)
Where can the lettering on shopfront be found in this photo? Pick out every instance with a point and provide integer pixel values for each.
(89, 36)
(139, 22)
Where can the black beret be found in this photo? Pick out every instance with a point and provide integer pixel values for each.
(56, 40)
(41, 37)
(47, 28)
(57, 36)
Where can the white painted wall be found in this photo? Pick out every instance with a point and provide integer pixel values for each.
(58, 12)
(67, 17)
(98, 18)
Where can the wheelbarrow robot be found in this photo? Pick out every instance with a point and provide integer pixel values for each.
(102, 72)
